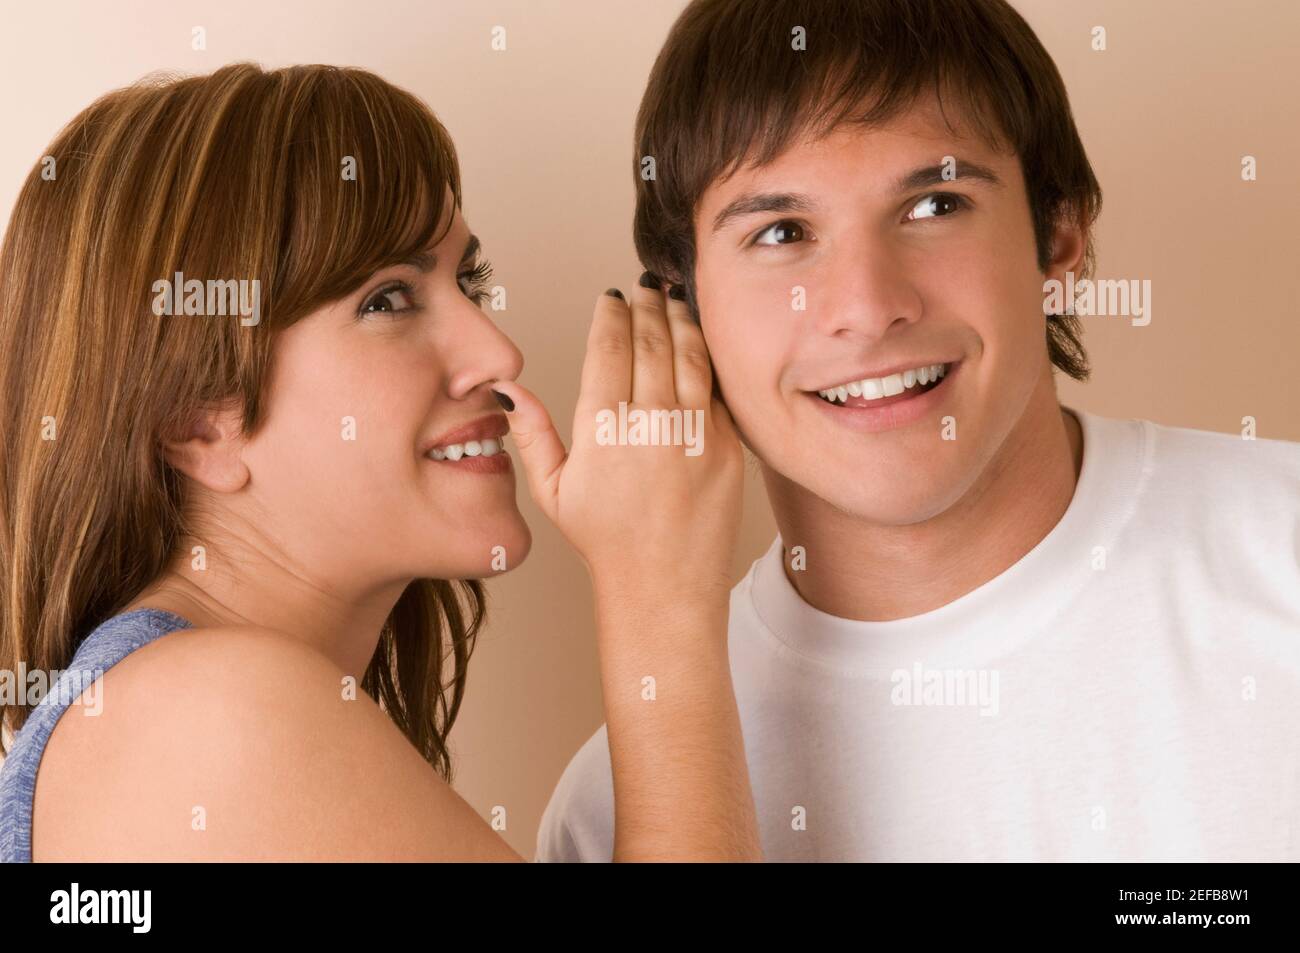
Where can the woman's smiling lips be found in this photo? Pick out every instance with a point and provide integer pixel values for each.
(890, 412)
(476, 447)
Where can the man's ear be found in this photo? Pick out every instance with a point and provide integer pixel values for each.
(1069, 247)
(209, 448)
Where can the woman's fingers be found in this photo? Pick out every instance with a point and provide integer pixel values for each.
(541, 451)
(692, 373)
(607, 367)
(652, 347)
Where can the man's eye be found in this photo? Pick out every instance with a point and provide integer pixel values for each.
(780, 233)
(390, 300)
(937, 205)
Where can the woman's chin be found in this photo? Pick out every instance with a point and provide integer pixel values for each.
(506, 555)
(491, 552)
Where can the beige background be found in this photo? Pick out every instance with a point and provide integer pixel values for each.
(1186, 88)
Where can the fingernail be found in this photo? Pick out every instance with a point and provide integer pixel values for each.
(615, 293)
(504, 401)
(650, 280)
(677, 292)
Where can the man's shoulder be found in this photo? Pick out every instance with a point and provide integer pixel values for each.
(1235, 497)
(1217, 454)
(578, 823)
(1193, 464)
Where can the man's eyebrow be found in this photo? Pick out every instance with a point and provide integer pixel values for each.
(425, 262)
(934, 175)
(752, 202)
(921, 178)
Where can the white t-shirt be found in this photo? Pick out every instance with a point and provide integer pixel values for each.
(1131, 685)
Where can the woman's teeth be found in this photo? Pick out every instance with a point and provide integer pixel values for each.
(471, 448)
(874, 388)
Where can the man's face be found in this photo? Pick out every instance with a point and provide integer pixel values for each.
(891, 276)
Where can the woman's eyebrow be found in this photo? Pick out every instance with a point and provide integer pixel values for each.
(471, 249)
(425, 262)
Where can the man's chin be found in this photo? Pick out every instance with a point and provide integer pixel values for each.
(903, 498)
(904, 509)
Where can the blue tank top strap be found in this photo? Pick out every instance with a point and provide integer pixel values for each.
(107, 645)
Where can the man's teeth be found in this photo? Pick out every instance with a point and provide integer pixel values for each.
(471, 448)
(874, 388)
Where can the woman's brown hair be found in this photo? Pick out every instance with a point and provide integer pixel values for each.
(243, 173)
(736, 82)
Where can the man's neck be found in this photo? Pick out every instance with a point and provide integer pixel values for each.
(882, 572)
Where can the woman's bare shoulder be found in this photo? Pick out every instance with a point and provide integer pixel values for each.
(242, 743)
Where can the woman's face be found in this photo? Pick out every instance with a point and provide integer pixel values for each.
(359, 393)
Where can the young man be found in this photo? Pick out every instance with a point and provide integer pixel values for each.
(991, 627)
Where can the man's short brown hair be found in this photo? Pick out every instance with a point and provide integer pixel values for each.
(730, 86)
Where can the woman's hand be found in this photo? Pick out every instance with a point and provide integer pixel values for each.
(656, 526)
(645, 519)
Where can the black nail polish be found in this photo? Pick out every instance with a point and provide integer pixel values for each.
(677, 292)
(650, 280)
(615, 293)
(504, 401)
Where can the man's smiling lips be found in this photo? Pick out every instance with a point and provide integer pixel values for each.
(886, 382)
(903, 398)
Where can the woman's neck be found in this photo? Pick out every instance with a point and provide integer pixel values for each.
(343, 627)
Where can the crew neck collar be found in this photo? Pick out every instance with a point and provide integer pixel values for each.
(1007, 608)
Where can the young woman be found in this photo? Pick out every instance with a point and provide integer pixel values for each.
(251, 416)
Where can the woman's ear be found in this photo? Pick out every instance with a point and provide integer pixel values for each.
(209, 449)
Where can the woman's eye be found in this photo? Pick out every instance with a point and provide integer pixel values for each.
(781, 233)
(390, 300)
(937, 205)
(474, 283)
